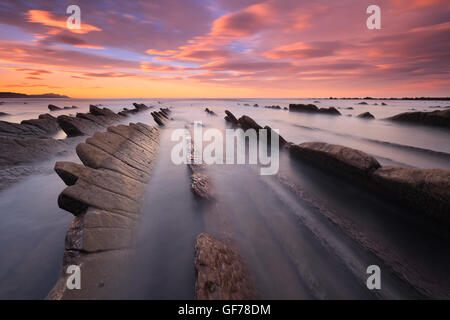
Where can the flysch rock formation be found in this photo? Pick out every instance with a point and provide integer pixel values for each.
(162, 116)
(221, 274)
(104, 196)
(426, 191)
(24, 144)
(440, 118)
(311, 108)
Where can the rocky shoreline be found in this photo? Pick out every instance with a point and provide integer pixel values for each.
(104, 196)
(31, 141)
(426, 191)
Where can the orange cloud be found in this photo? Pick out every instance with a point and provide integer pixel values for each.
(48, 19)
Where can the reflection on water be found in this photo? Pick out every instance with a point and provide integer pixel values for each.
(295, 243)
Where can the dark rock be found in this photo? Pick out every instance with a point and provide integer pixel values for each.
(426, 190)
(330, 110)
(210, 112)
(77, 126)
(231, 118)
(248, 123)
(303, 108)
(52, 107)
(366, 115)
(439, 118)
(383, 104)
(338, 159)
(46, 122)
(256, 105)
(3, 114)
(220, 272)
(363, 103)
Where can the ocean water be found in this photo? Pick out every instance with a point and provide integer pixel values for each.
(303, 233)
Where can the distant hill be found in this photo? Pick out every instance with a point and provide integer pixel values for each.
(4, 95)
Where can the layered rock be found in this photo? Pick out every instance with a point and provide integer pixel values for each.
(96, 119)
(439, 118)
(341, 160)
(221, 274)
(104, 194)
(426, 190)
(161, 117)
(230, 118)
(311, 108)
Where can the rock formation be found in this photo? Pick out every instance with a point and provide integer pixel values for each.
(230, 118)
(221, 274)
(104, 195)
(311, 108)
(341, 160)
(52, 107)
(210, 112)
(439, 118)
(366, 115)
(96, 119)
(161, 117)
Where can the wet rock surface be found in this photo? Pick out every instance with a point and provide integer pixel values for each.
(161, 117)
(221, 275)
(104, 195)
(366, 115)
(341, 160)
(311, 108)
(425, 190)
(440, 118)
(95, 120)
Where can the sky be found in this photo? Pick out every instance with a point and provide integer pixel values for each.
(225, 48)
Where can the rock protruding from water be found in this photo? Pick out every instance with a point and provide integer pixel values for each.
(95, 120)
(46, 122)
(366, 115)
(210, 112)
(52, 107)
(311, 108)
(4, 114)
(104, 194)
(221, 274)
(162, 116)
(341, 160)
(230, 118)
(440, 118)
(426, 190)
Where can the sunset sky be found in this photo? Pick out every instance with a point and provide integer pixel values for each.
(226, 48)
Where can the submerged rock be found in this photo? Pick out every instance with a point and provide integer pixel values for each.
(220, 272)
(338, 159)
(366, 115)
(363, 103)
(52, 107)
(435, 118)
(3, 114)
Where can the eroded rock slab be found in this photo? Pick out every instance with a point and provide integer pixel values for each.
(440, 118)
(341, 160)
(426, 190)
(104, 195)
(221, 274)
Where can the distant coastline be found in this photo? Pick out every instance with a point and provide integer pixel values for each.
(5, 95)
(404, 98)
